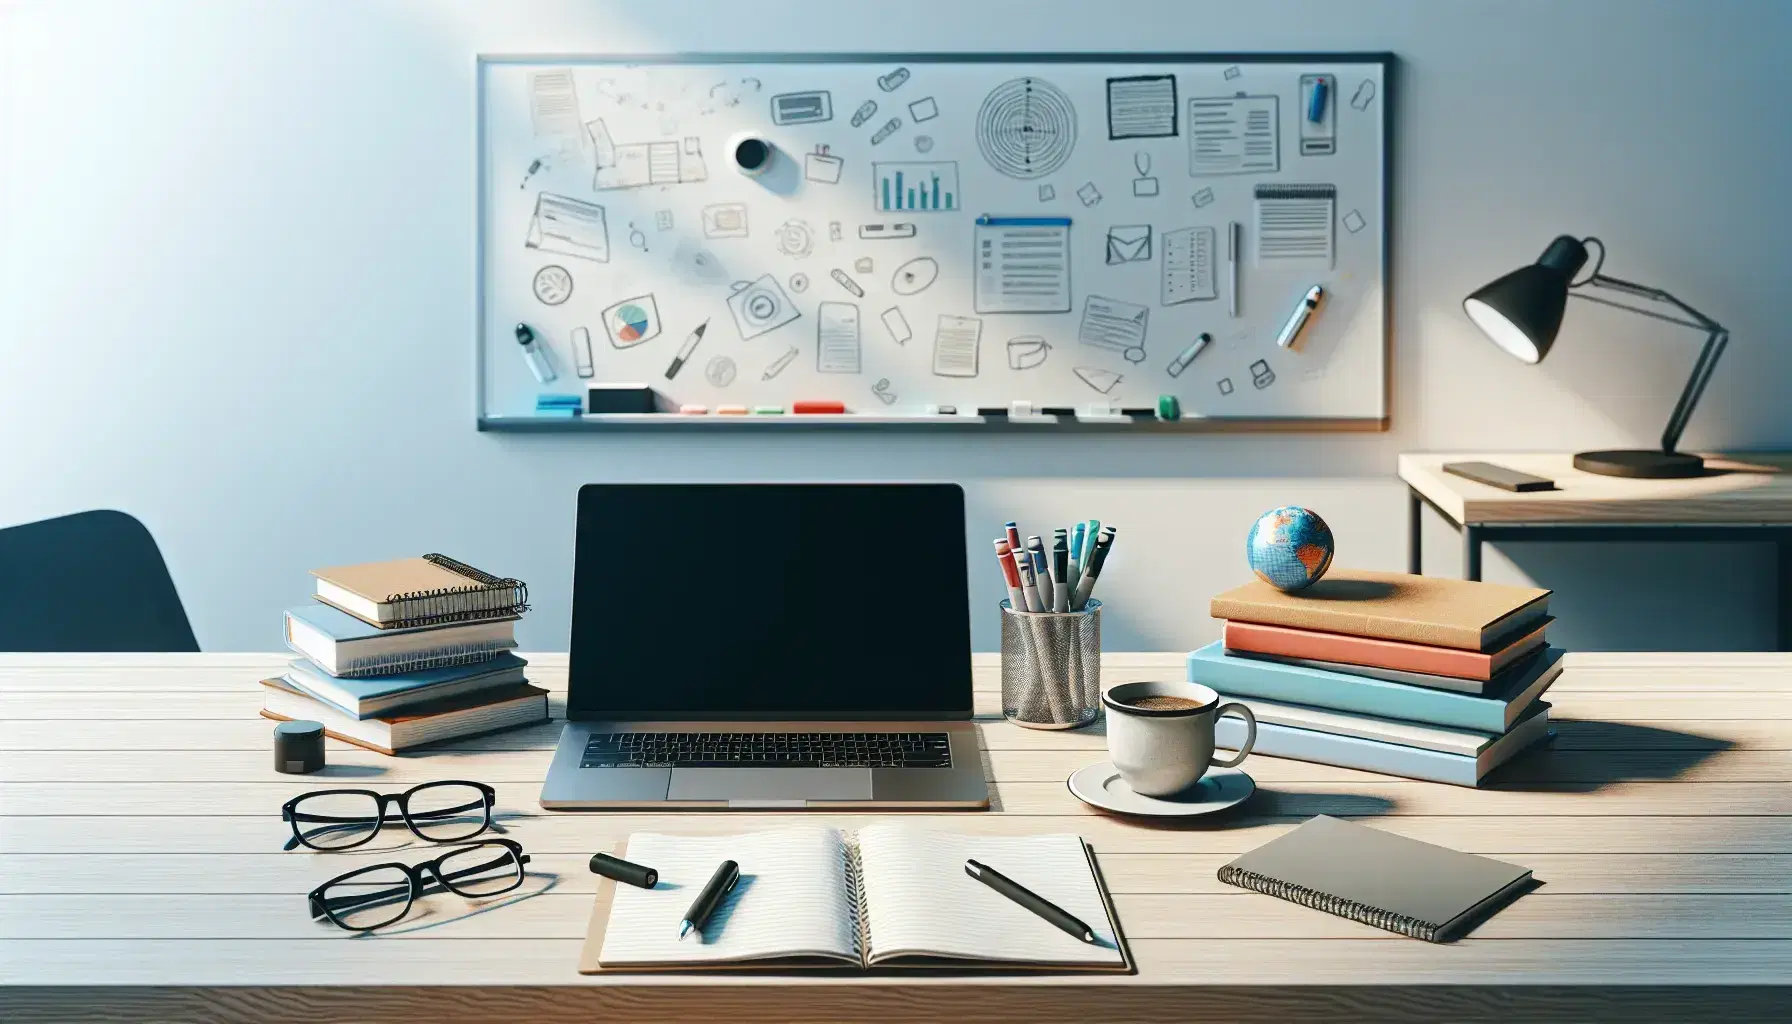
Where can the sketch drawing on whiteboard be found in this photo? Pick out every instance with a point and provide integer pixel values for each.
(882, 390)
(581, 352)
(552, 285)
(1234, 135)
(1100, 380)
(923, 109)
(915, 276)
(822, 167)
(1202, 197)
(1116, 325)
(1294, 225)
(570, 227)
(720, 372)
(638, 164)
(1261, 375)
(1353, 222)
(886, 131)
(1225, 385)
(796, 238)
(1027, 351)
(799, 282)
(865, 112)
(923, 143)
(1026, 128)
(1022, 265)
(1364, 95)
(1089, 194)
(811, 107)
(956, 340)
(1142, 107)
(892, 81)
(662, 220)
(632, 321)
(780, 363)
(1144, 186)
(897, 325)
(553, 103)
(1189, 266)
(1129, 243)
(837, 338)
(725, 220)
(1047, 193)
(760, 305)
(844, 280)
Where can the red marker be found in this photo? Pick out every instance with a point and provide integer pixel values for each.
(818, 407)
(1017, 598)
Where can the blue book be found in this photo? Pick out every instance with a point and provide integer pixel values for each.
(377, 696)
(1458, 757)
(1492, 712)
(346, 647)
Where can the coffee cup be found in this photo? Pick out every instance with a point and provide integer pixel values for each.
(1160, 734)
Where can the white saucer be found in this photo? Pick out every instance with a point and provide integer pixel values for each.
(1100, 785)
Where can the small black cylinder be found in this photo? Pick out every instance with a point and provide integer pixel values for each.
(298, 748)
(1565, 255)
(622, 871)
(751, 153)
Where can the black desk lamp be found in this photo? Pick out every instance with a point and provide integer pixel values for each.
(1522, 312)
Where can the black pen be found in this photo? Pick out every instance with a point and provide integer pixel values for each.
(1029, 899)
(709, 899)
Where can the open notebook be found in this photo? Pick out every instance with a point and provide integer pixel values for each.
(890, 895)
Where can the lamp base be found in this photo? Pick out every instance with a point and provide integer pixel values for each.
(1641, 464)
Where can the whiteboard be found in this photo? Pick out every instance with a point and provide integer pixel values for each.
(939, 230)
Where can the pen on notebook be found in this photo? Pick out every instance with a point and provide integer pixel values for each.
(1060, 573)
(1028, 585)
(718, 886)
(1096, 561)
(1030, 900)
(1042, 575)
(685, 350)
(1017, 598)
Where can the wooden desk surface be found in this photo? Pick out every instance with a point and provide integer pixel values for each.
(141, 875)
(1752, 488)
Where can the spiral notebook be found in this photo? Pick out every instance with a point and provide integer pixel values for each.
(1379, 879)
(889, 895)
(427, 591)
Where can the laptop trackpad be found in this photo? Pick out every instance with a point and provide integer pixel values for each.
(770, 784)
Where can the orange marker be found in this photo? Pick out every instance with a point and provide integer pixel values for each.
(732, 410)
(818, 407)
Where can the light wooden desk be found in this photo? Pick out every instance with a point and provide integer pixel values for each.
(141, 875)
(1742, 498)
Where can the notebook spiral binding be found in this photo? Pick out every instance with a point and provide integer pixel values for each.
(1362, 913)
(855, 884)
(434, 607)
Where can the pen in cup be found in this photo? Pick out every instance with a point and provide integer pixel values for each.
(1028, 585)
(1096, 561)
(1060, 573)
(1042, 577)
(1017, 598)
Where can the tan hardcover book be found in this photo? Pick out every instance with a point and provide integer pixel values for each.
(1342, 650)
(1462, 614)
(430, 590)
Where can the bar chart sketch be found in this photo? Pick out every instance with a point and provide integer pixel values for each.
(915, 186)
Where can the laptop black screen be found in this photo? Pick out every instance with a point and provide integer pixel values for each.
(770, 601)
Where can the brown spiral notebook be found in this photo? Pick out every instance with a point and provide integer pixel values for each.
(405, 593)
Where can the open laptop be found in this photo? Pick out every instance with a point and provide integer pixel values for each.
(769, 646)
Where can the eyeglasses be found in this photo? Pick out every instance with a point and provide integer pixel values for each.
(436, 812)
(381, 894)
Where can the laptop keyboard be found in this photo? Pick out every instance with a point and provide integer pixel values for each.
(767, 750)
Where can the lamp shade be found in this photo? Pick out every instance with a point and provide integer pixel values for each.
(1522, 311)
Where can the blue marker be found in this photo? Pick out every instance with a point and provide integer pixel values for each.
(1316, 107)
(1076, 555)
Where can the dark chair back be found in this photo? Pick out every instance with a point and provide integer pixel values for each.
(93, 581)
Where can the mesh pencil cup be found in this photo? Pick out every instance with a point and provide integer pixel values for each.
(1051, 667)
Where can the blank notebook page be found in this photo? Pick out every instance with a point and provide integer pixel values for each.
(792, 899)
(920, 902)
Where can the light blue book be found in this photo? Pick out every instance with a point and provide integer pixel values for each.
(1493, 712)
(378, 696)
(1372, 755)
(346, 647)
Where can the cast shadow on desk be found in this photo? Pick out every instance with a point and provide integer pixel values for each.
(1587, 756)
(1269, 807)
(436, 909)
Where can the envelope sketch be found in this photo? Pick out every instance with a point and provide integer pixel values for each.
(1129, 243)
(569, 226)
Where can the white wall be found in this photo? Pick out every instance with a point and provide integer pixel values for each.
(236, 258)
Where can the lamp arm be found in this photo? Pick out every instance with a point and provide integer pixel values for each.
(1716, 337)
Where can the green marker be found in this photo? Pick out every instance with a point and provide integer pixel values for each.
(768, 410)
(1169, 408)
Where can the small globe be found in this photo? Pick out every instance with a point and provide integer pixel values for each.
(1289, 548)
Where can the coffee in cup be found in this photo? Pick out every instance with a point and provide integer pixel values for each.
(1160, 734)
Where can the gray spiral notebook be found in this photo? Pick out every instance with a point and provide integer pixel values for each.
(1380, 879)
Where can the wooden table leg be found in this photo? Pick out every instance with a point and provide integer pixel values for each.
(1471, 552)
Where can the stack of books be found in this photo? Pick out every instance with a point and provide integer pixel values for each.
(399, 654)
(1417, 676)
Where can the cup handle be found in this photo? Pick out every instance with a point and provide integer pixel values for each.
(1250, 739)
